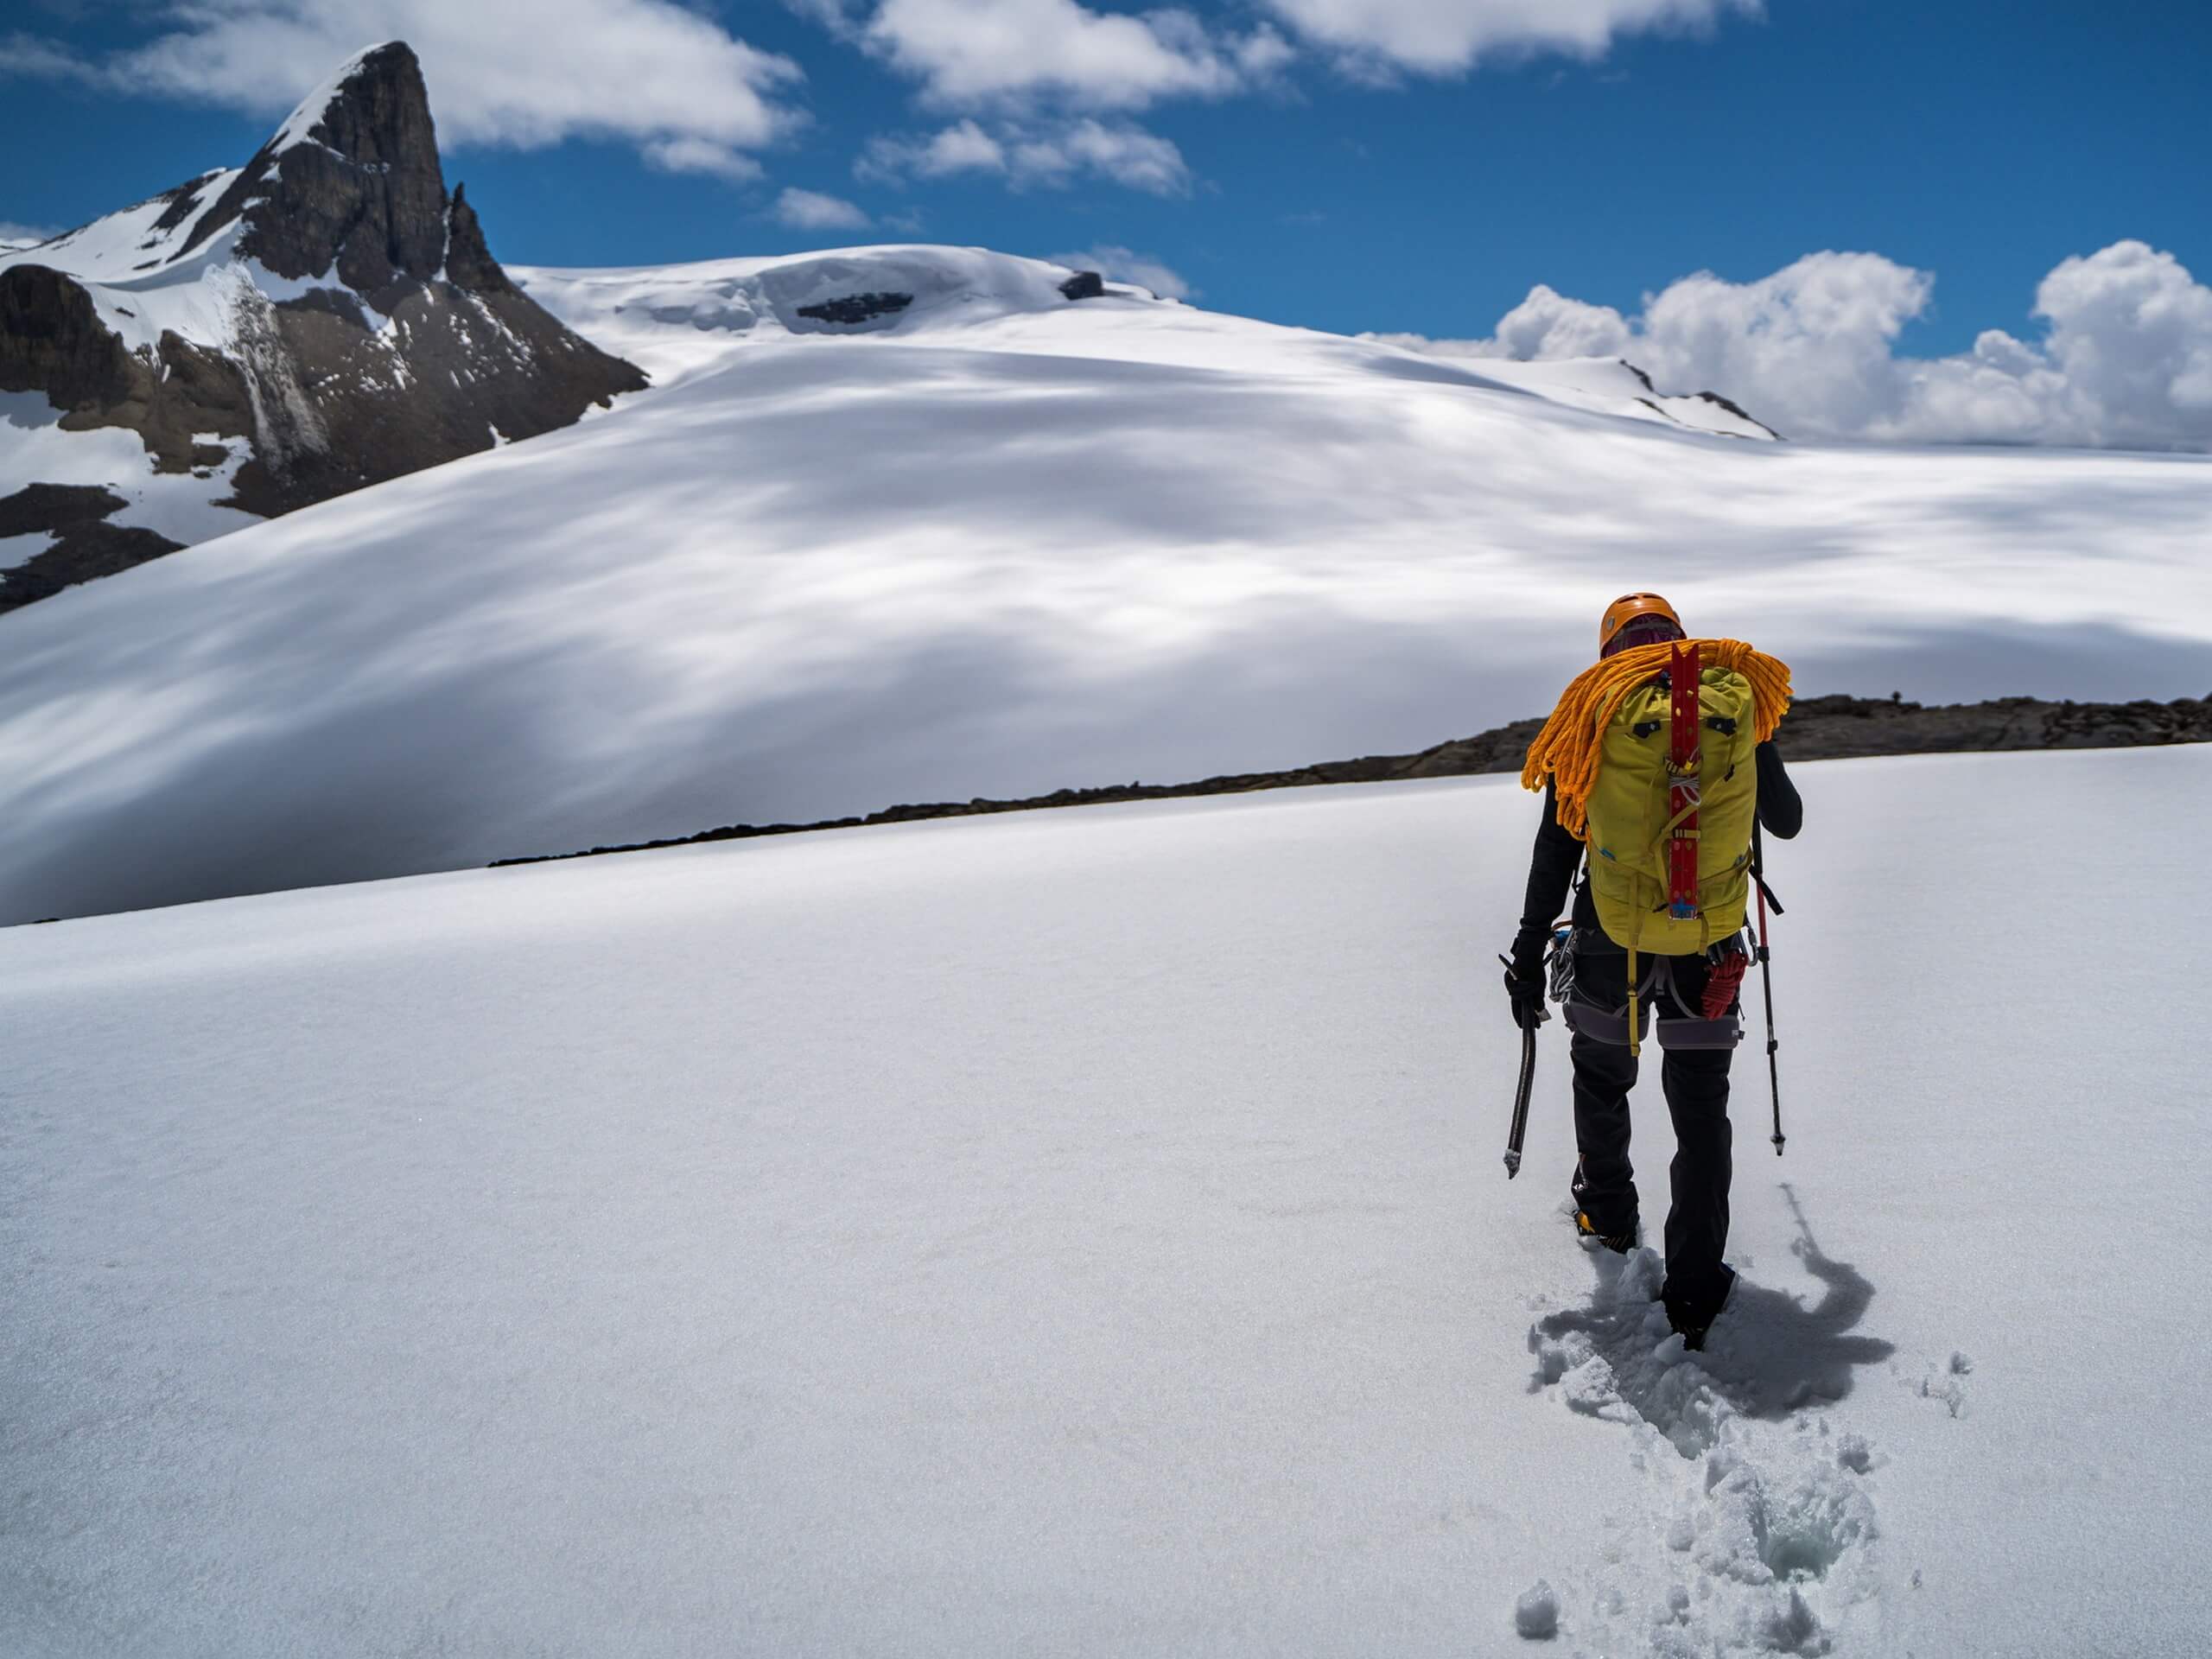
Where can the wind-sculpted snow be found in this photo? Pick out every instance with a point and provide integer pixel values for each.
(1008, 544)
(1084, 1233)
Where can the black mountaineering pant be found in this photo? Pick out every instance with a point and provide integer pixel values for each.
(1695, 1079)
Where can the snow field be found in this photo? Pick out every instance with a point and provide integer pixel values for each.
(1007, 546)
(1084, 1231)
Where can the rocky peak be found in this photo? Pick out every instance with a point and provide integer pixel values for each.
(295, 392)
(352, 181)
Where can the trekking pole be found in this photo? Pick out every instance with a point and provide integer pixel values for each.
(1520, 1127)
(1766, 980)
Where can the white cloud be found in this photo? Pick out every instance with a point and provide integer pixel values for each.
(1119, 264)
(1028, 152)
(2126, 360)
(21, 234)
(501, 71)
(965, 147)
(1124, 153)
(980, 52)
(27, 55)
(809, 210)
(701, 156)
(2131, 330)
(1548, 324)
(1447, 36)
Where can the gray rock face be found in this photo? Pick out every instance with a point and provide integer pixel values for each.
(415, 348)
(364, 195)
(52, 341)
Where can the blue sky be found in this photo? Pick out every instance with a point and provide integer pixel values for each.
(1324, 177)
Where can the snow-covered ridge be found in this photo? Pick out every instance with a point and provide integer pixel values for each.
(679, 321)
(133, 242)
(1611, 386)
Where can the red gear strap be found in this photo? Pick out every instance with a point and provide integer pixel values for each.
(1684, 677)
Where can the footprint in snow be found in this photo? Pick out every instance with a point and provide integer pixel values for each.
(1946, 1383)
(1761, 1529)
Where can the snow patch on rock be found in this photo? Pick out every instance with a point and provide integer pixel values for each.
(310, 109)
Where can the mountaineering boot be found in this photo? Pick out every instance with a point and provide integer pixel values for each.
(1692, 1316)
(1610, 1204)
(1618, 1244)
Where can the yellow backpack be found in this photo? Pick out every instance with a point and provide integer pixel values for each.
(1633, 823)
(1608, 748)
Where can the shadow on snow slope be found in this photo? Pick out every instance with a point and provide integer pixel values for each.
(1769, 1354)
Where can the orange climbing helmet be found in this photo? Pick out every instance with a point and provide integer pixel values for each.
(1627, 609)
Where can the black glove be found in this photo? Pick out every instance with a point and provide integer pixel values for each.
(1524, 979)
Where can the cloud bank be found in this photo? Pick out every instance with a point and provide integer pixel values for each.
(1031, 79)
(525, 72)
(2124, 361)
(1037, 93)
(1444, 37)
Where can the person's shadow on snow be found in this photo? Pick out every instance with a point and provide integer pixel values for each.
(1768, 1355)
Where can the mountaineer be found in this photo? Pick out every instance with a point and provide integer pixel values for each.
(1657, 769)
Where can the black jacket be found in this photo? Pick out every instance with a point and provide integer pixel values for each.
(1559, 856)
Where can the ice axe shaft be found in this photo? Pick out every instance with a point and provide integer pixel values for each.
(1520, 1127)
(1766, 982)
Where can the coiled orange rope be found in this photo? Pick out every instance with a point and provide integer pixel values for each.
(1566, 749)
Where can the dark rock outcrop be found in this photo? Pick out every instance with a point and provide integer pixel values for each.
(1712, 398)
(52, 341)
(185, 200)
(1738, 411)
(1083, 285)
(87, 545)
(856, 308)
(415, 348)
(469, 264)
(49, 507)
(1816, 728)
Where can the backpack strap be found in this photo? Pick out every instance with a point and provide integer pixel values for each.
(1685, 758)
(1635, 1022)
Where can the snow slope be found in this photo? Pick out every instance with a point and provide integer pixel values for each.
(1003, 544)
(1084, 1232)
